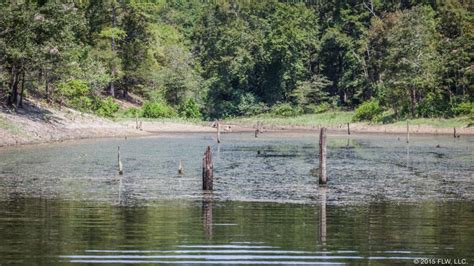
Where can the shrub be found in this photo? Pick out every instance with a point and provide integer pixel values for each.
(433, 105)
(190, 109)
(157, 110)
(368, 111)
(285, 109)
(76, 94)
(107, 107)
(464, 108)
(248, 105)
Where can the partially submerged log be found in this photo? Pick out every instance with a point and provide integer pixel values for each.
(207, 170)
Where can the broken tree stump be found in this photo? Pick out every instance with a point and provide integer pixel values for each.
(120, 166)
(218, 132)
(180, 168)
(408, 132)
(322, 157)
(207, 170)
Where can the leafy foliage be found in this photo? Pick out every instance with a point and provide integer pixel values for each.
(157, 110)
(368, 111)
(240, 58)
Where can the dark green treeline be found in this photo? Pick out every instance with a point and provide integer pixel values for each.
(226, 58)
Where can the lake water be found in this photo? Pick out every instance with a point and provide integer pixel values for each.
(386, 201)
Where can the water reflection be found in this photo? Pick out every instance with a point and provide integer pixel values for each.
(43, 231)
(207, 213)
(322, 215)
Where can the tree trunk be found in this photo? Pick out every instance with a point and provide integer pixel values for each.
(46, 84)
(113, 70)
(20, 100)
(413, 102)
(12, 99)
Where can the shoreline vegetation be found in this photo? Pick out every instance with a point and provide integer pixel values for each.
(38, 123)
(287, 64)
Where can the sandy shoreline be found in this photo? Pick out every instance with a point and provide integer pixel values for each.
(40, 124)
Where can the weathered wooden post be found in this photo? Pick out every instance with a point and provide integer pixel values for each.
(408, 132)
(120, 166)
(348, 129)
(207, 170)
(322, 157)
(180, 168)
(218, 125)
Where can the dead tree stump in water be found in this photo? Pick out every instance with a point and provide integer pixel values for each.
(180, 168)
(207, 170)
(120, 166)
(455, 134)
(348, 129)
(408, 132)
(322, 157)
(218, 132)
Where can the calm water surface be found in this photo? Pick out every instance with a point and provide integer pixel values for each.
(387, 202)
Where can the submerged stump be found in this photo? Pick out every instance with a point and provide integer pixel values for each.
(207, 170)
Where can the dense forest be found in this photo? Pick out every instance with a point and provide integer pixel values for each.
(214, 59)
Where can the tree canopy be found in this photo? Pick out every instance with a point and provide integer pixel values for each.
(230, 58)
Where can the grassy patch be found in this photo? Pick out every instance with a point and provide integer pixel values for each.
(328, 118)
(174, 120)
(438, 122)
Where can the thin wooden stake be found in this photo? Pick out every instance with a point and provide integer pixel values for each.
(348, 129)
(207, 170)
(408, 132)
(120, 166)
(218, 132)
(322, 157)
(180, 168)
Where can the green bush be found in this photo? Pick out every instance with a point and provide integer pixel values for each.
(285, 109)
(433, 105)
(107, 107)
(249, 105)
(368, 111)
(464, 108)
(190, 109)
(157, 110)
(76, 93)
